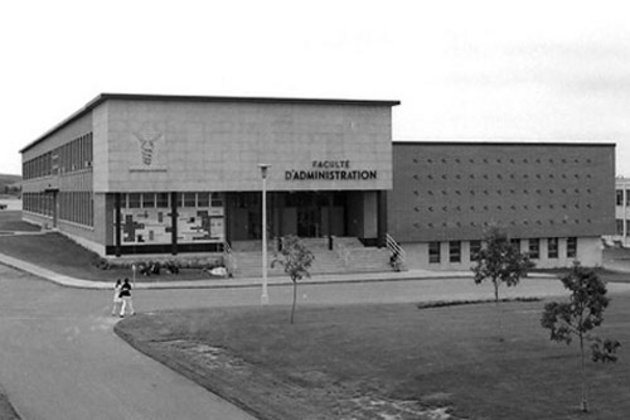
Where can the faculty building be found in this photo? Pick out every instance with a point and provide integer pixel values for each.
(155, 175)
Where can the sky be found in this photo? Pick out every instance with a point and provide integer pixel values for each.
(463, 70)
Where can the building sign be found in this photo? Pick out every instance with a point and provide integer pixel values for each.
(330, 170)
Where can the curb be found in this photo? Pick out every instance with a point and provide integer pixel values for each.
(68, 281)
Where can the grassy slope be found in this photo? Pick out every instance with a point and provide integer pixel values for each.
(444, 356)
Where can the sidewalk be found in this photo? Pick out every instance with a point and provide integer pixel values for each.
(67, 281)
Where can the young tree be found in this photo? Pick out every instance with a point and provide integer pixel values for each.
(500, 261)
(296, 259)
(583, 312)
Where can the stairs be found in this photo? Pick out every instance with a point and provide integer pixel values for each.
(348, 256)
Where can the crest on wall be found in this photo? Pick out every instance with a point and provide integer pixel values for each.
(148, 139)
(147, 142)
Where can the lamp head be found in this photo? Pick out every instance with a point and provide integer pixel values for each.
(263, 169)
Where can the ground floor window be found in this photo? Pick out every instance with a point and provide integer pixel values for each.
(434, 252)
(552, 248)
(475, 248)
(534, 249)
(619, 224)
(146, 218)
(454, 251)
(516, 243)
(571, 247)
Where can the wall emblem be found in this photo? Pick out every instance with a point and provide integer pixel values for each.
(148, 143)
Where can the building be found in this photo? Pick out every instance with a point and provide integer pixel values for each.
(622, 213)
(553, 199)
(171, 175)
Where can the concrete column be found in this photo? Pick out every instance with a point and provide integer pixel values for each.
(381, 214)
(117, 233)
(174, 223)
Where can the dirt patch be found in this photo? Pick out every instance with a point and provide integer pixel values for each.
(301, 395)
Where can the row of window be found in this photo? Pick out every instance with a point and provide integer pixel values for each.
(511, 191)
(550, 222)
(455, 249)
(500, 161)
(619, 197)
(163, 200)
(73, 206)
(72, 156)
(501, 176)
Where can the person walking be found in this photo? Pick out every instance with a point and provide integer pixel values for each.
(117, 298)
(125, 294)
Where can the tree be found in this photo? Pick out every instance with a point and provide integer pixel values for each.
(500, 261)
(296, 259)
(583, 313)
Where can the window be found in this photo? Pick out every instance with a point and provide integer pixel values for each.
(203, 199)
(475, 247)
(148, 200)
(434, 252)
(134, 201)
(162, 200)
(552, 247)
(619, 227)
(217, 200)
(627, 197)
(571, 247)
(534, 248)
(516, 243)
(455, 251)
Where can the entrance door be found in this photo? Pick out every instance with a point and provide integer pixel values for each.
(308, 222)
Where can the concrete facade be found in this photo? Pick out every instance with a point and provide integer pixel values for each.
(133, 174)
(158, 156)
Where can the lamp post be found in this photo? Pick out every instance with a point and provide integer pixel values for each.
(264, 297)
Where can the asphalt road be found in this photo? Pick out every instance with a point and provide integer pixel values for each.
(59, 357)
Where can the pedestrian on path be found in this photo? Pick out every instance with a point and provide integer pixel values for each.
(117, 299)
(125, 294)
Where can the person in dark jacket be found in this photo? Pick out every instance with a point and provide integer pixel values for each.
(125, 295)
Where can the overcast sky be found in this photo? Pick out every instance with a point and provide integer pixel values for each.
(488, 70)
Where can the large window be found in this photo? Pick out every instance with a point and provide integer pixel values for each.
(534, 248)
(619, 194)
(552, 247)
(571, 247)
(434, 252)
(455, 251)
(516, 243)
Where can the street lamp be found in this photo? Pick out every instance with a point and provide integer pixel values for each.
(264, 298)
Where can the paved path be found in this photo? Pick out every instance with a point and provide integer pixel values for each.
(59, 358)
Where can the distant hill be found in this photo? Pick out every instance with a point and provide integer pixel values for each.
(10, 184)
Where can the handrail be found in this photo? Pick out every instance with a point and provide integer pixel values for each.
(398, 256)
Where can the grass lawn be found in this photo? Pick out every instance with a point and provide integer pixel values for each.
(59, 254)
(11, 220)
(374, 361)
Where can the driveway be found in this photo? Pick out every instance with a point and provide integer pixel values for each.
(59, 358)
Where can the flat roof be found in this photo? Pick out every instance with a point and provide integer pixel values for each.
(532, 143)
(191, 98)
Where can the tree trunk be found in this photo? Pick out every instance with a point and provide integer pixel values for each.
(294, 299)
(496, 291)
(584, 398)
